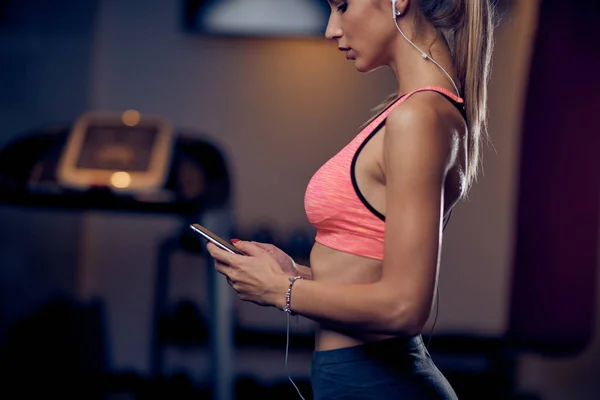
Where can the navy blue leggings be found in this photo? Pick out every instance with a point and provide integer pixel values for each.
(399, 368)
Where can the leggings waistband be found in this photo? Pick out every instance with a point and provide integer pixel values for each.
(380, 349)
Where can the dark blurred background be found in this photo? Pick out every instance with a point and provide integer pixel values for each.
(110, 297)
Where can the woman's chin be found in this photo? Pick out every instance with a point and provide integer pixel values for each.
(361, 66)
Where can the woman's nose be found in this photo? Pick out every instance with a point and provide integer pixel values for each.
(334, 30)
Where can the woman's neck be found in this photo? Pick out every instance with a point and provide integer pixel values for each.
(412, 71)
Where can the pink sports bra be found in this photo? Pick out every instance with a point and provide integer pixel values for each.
(344, 219)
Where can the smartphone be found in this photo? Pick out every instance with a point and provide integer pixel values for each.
(211, 237)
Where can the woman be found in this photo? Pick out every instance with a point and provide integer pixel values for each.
(380, 204)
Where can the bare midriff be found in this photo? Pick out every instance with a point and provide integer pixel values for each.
(333, 266)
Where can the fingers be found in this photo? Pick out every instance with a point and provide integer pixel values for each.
(250, 248)
(232, 284)
(221, 255)
(224, 269)
(223, 259)
(231, 265)
(227, 271)
(269, 248)
(264, 246)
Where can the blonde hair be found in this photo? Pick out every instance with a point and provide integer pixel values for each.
(467, 26)
(473, 46)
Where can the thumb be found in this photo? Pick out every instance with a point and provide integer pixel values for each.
(249, 248)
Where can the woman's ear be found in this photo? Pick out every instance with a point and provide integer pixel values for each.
(400, 7)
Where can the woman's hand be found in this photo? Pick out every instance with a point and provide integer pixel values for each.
(256, 276)
(285, 261)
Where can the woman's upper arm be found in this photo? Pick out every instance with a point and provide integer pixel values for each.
(418, 151)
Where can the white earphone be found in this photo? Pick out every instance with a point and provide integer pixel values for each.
(395, 14)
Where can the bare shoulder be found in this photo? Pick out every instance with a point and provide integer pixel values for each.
(424, 127)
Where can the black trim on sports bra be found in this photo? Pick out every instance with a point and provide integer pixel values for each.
(461, 109)
(353, 174)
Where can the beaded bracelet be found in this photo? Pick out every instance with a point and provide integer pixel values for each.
(288, 295)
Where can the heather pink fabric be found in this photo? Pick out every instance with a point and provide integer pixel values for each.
(332, 205)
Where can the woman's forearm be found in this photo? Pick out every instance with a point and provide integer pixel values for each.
(365, 307)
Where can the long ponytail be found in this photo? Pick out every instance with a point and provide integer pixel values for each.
(473, 47)
(467, 26)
